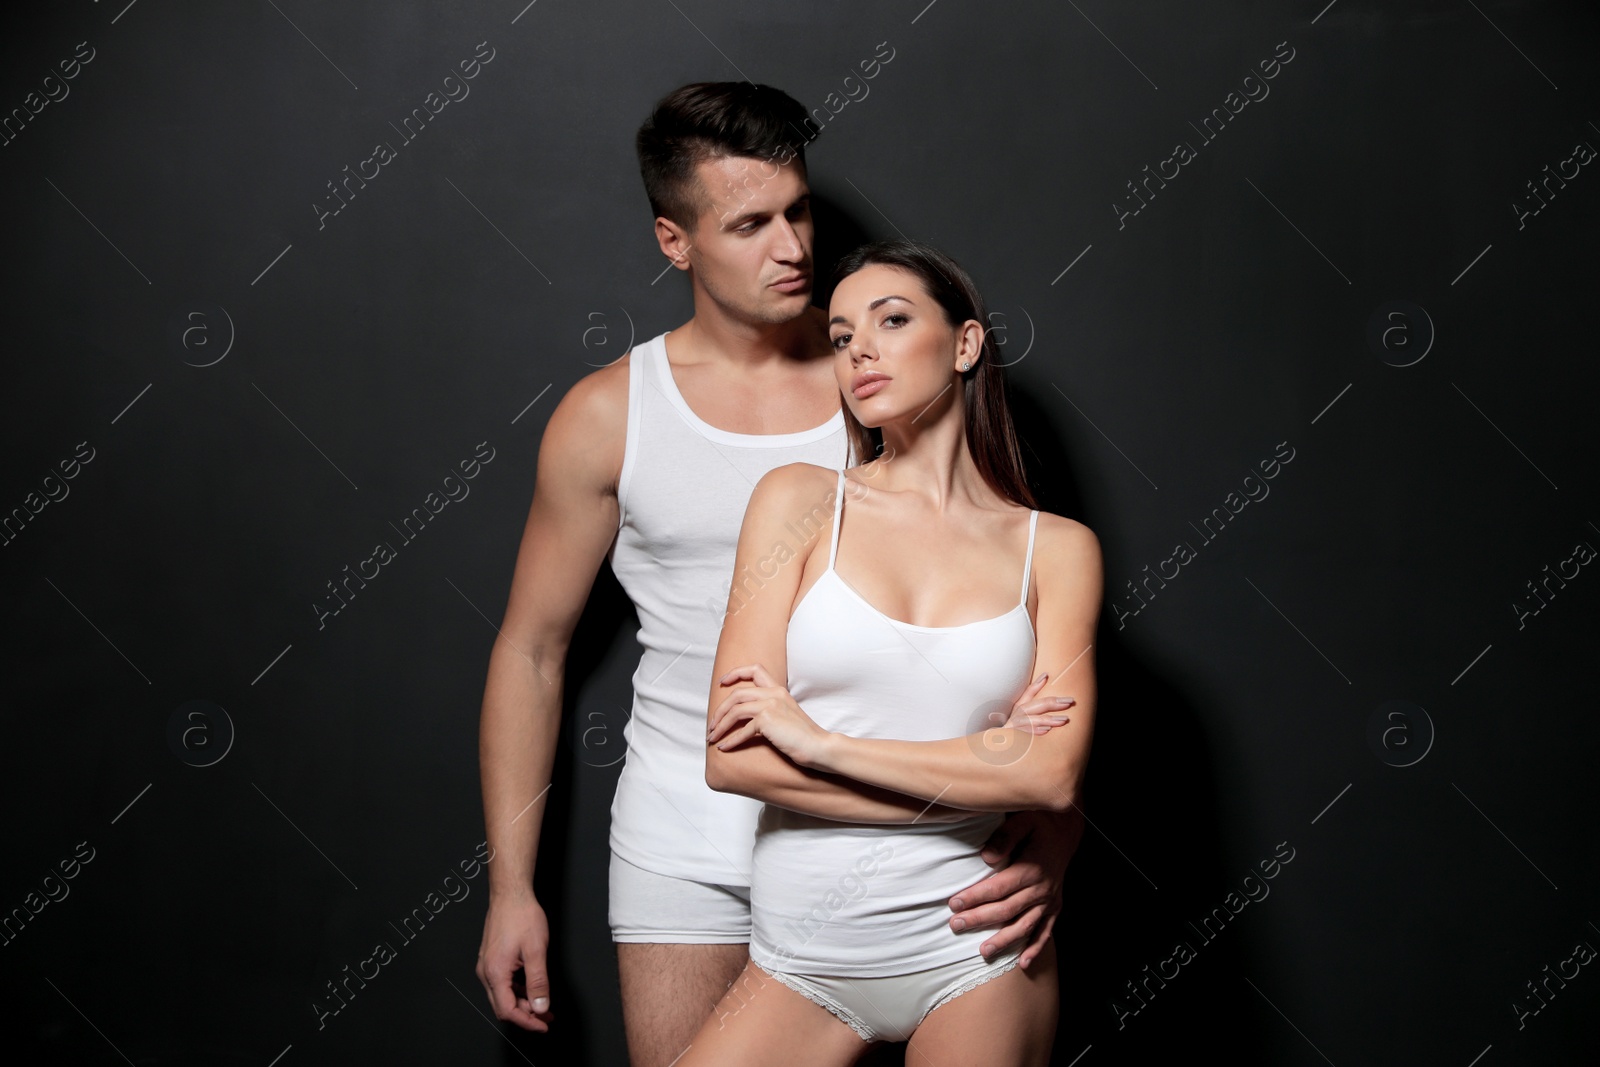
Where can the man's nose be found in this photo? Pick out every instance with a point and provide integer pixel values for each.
(788, 247)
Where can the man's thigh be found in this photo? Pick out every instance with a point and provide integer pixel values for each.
(680, 945)
(668, 990)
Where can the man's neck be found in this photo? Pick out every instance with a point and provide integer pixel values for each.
(713, 336)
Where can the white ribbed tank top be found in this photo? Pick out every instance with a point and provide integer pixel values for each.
(682, 493)
(871, 900)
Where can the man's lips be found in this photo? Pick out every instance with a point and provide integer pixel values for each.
(793, 283)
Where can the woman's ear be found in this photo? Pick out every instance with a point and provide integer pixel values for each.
(969, 343)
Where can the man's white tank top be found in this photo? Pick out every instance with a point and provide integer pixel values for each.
(682, 493)
(867, 900)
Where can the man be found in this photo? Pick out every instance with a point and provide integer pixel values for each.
(650, 462)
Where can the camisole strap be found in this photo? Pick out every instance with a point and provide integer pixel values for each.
(1027, 568)
(838, 509)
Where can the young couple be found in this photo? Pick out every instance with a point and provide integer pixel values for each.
(800, 863)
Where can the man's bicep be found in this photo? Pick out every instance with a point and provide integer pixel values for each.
(572, 520)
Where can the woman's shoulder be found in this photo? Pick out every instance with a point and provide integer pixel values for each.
(1065, 545)
(791, 485)
(791, 476)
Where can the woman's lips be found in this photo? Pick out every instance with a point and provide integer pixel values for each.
(864, 391)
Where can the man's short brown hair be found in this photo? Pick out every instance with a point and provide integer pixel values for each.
(709, 120)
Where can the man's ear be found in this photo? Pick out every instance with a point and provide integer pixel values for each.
(674, 241)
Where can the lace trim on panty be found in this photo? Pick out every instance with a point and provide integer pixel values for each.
(971, 984)
(863, 1031)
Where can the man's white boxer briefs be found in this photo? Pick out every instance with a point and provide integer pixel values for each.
(659, 908)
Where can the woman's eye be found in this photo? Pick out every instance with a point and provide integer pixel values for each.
(842, 340)
(897, 318)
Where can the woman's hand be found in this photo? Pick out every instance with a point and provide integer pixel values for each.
(1038, 716)
(767, 710)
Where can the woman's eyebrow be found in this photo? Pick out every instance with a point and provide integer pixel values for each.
(874, 306)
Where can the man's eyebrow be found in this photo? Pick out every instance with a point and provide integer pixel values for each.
(741, 219)
(874, 306)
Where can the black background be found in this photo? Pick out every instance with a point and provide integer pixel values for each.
(507, 251)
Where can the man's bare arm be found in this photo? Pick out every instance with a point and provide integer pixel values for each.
(571, 524)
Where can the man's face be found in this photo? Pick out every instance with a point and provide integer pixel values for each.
(751, 248)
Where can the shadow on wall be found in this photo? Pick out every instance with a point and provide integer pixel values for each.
(1151, 794)
(836, 234)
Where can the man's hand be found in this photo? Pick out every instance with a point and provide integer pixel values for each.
(1030, 850)
(515, 938)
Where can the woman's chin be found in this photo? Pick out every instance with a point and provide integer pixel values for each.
(875, 415)
(872, 420)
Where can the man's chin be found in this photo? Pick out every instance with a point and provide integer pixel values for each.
(783, 307)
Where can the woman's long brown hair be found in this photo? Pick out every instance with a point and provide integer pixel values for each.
(991, 435)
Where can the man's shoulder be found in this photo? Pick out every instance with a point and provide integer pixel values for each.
(596, 405)
(602, 391)
(602, 394)
(589, 427)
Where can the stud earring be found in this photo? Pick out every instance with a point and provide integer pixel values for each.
(967, 365)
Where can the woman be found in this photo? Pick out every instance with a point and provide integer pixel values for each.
(903, 634)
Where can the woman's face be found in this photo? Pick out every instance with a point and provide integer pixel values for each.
(894, 353)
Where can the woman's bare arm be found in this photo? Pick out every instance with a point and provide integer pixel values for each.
(766, 580)
(1005, 769)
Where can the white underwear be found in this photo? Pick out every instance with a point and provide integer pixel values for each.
(660, 909)
(891, 1007)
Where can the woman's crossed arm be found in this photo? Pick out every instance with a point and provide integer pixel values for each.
(766, 579)
(1001, 769)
